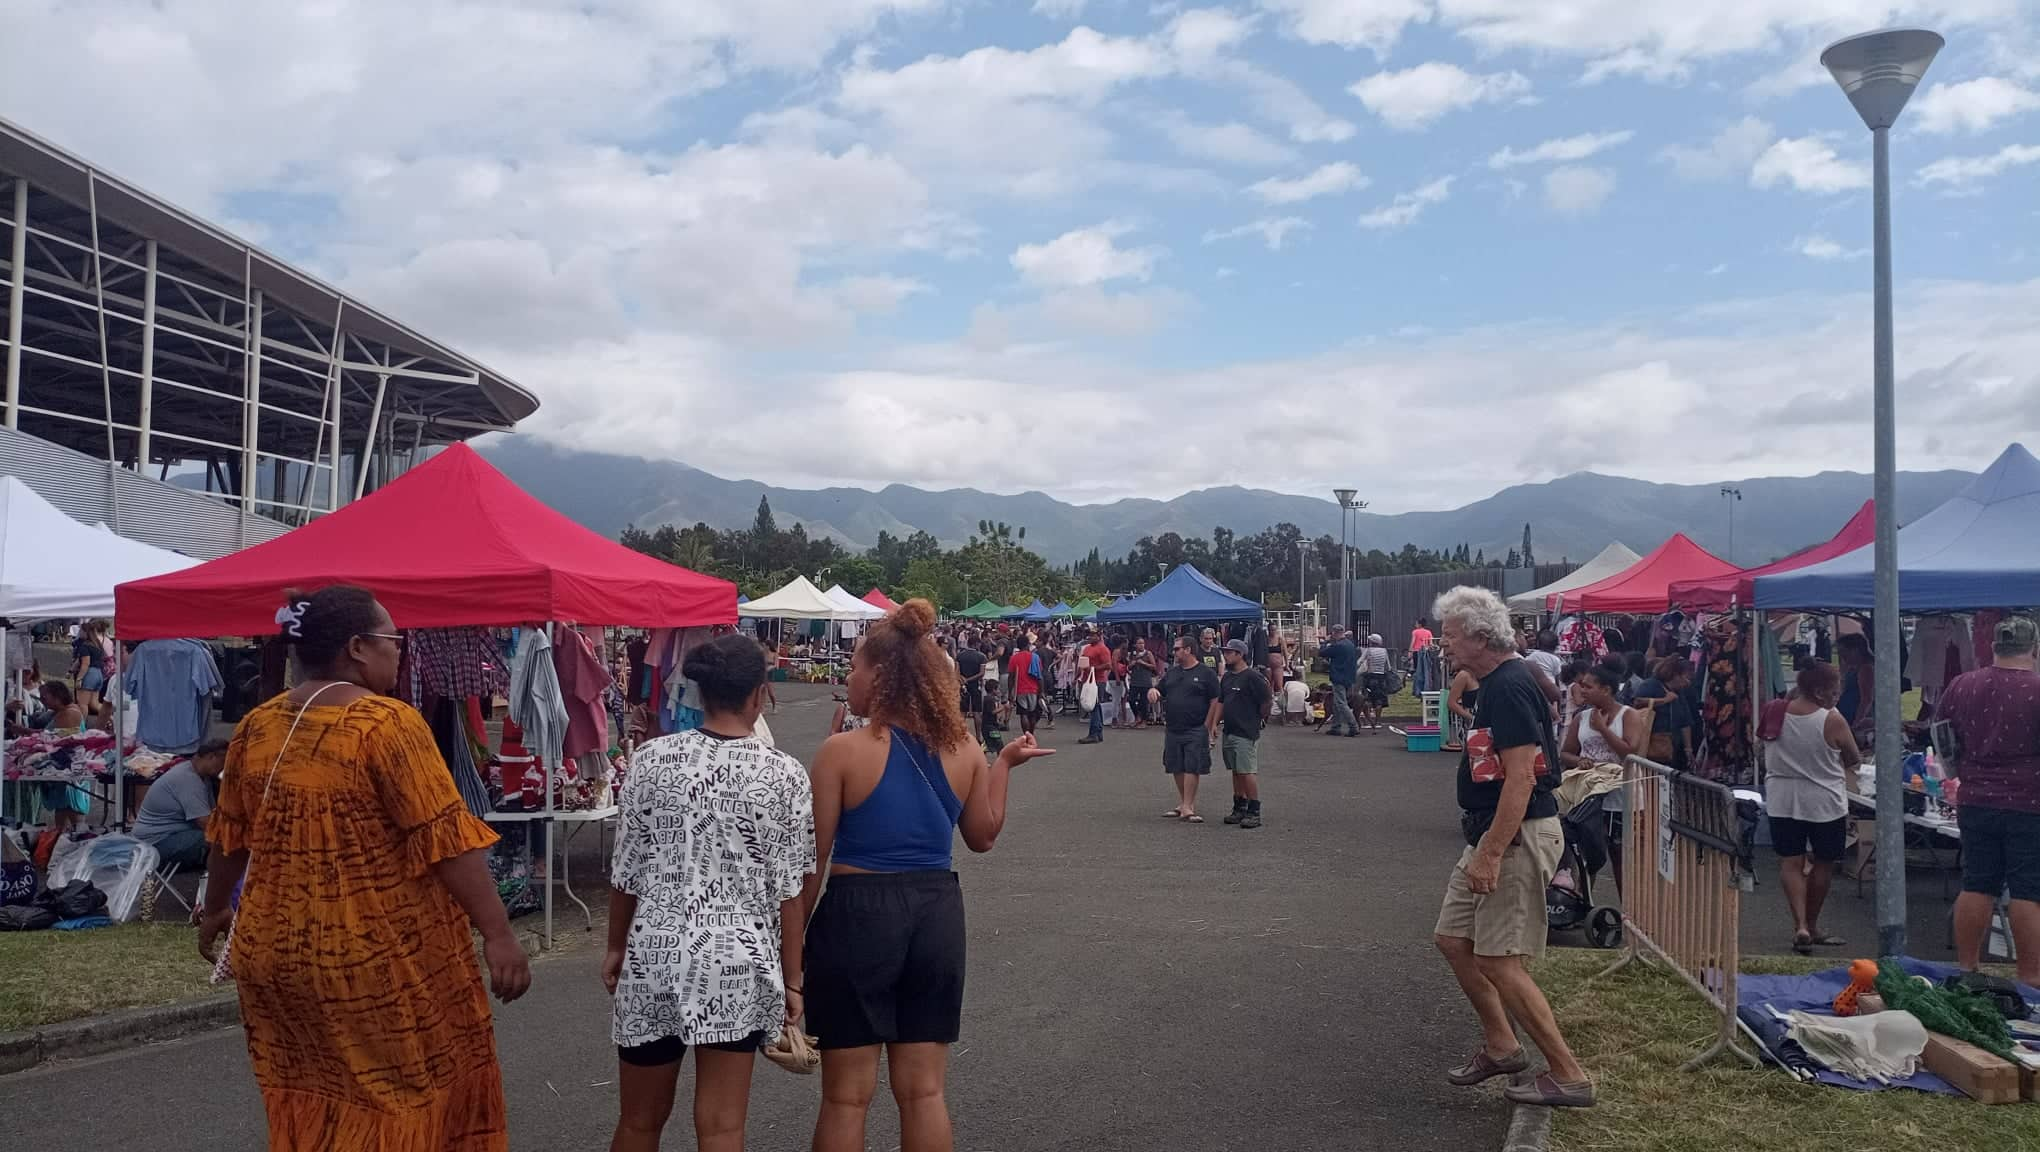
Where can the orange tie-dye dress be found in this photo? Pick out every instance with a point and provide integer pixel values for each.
(363, 1003)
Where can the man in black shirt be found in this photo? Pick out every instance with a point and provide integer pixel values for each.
(1244, 702)
(1189, 698)
(1492, 920)
(1141, 668)
(970, 669)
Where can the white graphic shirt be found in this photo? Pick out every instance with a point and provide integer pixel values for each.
(714, 834)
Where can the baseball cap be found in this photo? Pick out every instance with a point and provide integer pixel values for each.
(2018, 632)
(1374, 637)
(1239, 646)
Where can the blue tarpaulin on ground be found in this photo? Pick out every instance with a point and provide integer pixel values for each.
(1815, 993)
(1185, 595)
(1978, 550)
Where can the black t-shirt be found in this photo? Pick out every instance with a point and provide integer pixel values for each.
(1187, 694)
(1139, 675)
(1246, 695)
(970, 663)
(1511, 713)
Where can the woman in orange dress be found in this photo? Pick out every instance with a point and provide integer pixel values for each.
(367, 1023)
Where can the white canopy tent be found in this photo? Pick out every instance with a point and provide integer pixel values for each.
(1616, 557)
(800, 600)
(53, 567)
(851, 604)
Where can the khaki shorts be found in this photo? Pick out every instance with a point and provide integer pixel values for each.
(1241, 755)
(1510, 920)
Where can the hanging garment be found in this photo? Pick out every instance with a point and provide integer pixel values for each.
(582, 681)
(1941, 650)
(173, 683)
(1582, 638)
(535, 700)
(449, 732)
(455, 663)
(1725, 752)
(640, 679)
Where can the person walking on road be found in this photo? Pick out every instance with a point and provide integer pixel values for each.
(1245, 703)
(885, 945)
(1189, 697)
(353, 949)
(1492, 919)
(1024, 668)
(715, 844)
(1373, 682)
(1095, 666)
(1342, 659)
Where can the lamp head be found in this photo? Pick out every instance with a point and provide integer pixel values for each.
(1345, 496)
(1879, 70)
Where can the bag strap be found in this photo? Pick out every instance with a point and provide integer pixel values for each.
(278, 762)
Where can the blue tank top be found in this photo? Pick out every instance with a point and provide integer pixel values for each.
(908, 822)
(1851, 700)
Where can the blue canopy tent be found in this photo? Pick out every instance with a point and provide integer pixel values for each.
(1036, 612)
(1062, 608)
(1978, 550)
(1184, 596)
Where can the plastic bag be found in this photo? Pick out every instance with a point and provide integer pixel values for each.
(1087, 696)
(25, 918)
(71, 899)
(117, 866)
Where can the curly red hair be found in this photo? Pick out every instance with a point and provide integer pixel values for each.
(913, 686)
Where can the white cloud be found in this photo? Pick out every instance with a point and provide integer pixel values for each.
(1415, 98)
(1327, 180)
(1059, 9)
(1203, 34)
(1727, 156)
(1563, 150)
(1577, 191)
(877, 295)
(1818, 247)
(1971, 106)
(1271, 229)
(1231, 142)
(1960, 172)
(1083, 257)
(1407, 206)
(1808, 164)
(1375, 24)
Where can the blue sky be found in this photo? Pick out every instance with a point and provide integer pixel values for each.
(1113, 247)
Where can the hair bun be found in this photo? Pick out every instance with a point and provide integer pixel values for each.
(915, 618)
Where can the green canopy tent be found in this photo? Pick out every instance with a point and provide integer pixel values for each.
(1084, 609)
(982, 610)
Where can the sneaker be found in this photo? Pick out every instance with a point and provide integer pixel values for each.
(1250, 819)
(1237, 815)
(1092, 740)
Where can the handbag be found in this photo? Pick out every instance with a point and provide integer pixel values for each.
(221, 971)
(1087, 696)
(795, 1051)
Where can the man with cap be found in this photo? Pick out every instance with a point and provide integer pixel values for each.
(1373, 681)
(1342, 659)
(1994, 714)
(1094, 665)
(1244, 702)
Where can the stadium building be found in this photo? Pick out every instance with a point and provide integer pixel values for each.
(188, 389)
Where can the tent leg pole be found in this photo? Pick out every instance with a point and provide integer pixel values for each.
(115, 685)
(6, 694)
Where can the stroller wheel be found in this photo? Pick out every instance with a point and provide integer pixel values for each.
(1604, 927)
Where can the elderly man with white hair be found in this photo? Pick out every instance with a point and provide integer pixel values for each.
(1492, 920)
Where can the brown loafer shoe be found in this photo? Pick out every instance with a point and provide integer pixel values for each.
(1552, 1094)
(1481, 1067)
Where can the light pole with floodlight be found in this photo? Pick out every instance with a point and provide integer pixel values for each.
(1878, 71)
(1349, 510)
(1734, 496)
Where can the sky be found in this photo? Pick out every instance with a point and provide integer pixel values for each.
(1100, 248)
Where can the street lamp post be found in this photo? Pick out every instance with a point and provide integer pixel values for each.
(1878, 71)
(1302, 567)
(1348, 508)
(1727, 492)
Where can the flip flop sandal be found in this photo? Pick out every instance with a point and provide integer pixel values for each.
(1802, 943)
(1193, 818)
(1173, 814)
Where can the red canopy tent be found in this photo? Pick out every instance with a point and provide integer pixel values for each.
(1643, 586)
(451, 542)
(878, 599)
(1720, 593)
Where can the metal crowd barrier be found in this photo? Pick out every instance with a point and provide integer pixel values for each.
(1685, 868)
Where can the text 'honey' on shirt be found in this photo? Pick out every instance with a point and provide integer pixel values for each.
(715, 833)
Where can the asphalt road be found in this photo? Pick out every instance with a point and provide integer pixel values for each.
(1134, 982)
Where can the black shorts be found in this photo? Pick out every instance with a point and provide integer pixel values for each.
(669, 1050)
(973, 696)
(1374, 688)
(885, 959)
(1186, 753)
(1824, 839)
(2000, 851)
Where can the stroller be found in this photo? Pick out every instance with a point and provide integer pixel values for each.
(1569, 900)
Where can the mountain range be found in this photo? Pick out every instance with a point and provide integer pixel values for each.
(1571, 517)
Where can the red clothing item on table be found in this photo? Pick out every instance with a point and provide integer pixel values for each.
(1996, 714)
(1024, 682)
(1100, 659)
(582, 681)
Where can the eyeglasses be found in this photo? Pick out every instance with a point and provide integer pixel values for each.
(393, 637)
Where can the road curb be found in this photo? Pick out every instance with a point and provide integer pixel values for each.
(1529, 1128)
(71, 1039)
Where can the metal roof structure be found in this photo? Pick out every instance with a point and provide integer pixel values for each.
(138, 333)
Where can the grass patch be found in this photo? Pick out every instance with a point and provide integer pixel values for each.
(1634, 1029)
(46, 977)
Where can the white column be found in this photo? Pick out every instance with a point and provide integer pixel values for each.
(333, 478)
(16, 271)
(368, 447)
(251, 481)
(148, 356)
